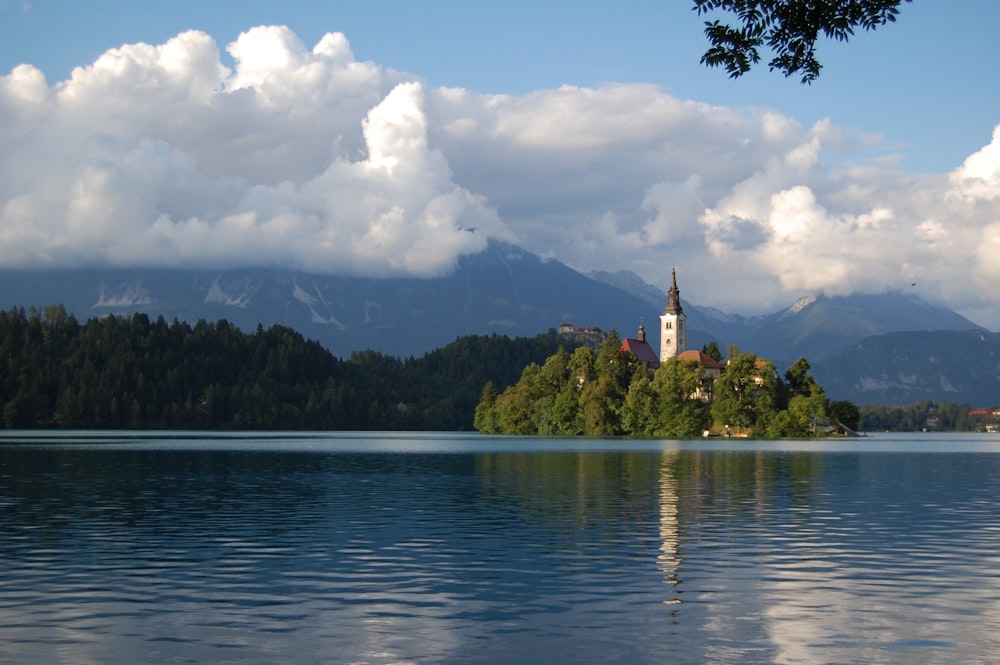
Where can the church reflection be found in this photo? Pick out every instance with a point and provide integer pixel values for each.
(702, 495)
(669, 560)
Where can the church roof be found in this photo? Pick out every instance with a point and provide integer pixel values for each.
(706, 361)
(673, 297)
(640, 350)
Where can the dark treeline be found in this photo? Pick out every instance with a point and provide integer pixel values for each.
(133, 372)
(925, 414)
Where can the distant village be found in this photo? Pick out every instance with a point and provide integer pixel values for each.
(990, 418)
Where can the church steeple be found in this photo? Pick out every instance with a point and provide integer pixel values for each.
(642, 332)
(674, 298)
(673, 331)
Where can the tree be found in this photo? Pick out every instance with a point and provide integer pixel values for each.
(681, 412)
(639, 412)
(515, 410)
(845, 413)
(744, 395)
(799, 380)
(599, 406)
(789, 28)
(712, 351)
(485, 415)
(803, 403)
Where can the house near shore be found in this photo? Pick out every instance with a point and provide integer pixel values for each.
(988, 419)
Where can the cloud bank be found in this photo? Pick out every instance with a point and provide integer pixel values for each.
(160, 155)
(308, 159)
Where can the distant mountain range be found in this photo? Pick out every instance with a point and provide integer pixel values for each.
(510, 291)
(816, 327)
(503, 289)
(960, 366)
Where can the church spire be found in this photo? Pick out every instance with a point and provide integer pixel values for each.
(673, 297)
(673, 333)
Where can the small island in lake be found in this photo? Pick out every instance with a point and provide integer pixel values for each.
(626, 389)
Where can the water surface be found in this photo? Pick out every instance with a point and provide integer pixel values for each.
(391, 548)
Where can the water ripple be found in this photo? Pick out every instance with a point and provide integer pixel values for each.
(170, 555)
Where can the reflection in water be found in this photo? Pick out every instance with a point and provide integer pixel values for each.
(669, 558)
(208, 553)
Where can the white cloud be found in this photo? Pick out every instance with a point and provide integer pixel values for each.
(815, 228)
(160, 154)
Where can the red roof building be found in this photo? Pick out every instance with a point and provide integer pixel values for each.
(708, 363)
(641, 350)
(710, 371)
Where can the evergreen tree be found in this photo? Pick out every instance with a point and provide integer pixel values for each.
(137, 373)
(712, 351)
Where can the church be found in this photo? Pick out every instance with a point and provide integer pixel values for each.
(673, 338)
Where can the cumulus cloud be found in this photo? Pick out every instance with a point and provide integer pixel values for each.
(160, 155)
(816, 228)
(307, 158)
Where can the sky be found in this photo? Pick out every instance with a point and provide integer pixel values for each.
(392, 137)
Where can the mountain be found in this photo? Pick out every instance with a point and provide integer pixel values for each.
(819, 327)
(900, 368)
(507, 290)
(816, 328)
(503, 289)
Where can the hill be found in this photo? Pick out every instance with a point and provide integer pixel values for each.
(138, 373)
(906, 367)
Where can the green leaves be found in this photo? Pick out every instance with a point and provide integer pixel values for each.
(789, 28)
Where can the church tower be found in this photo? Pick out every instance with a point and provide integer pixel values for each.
(673, 331)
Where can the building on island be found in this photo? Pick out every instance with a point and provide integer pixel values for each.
(673, 342)
(590, 336)
(640, 348)
(673, 324)
(710, 371)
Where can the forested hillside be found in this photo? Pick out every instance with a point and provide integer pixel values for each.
(117, 372)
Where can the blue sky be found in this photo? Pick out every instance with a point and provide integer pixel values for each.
(929, 83)
(585, 131)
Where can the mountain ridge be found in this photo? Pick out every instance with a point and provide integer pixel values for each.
(901, 368)
(504, 289)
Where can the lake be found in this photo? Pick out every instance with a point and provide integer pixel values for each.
(456, 548)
